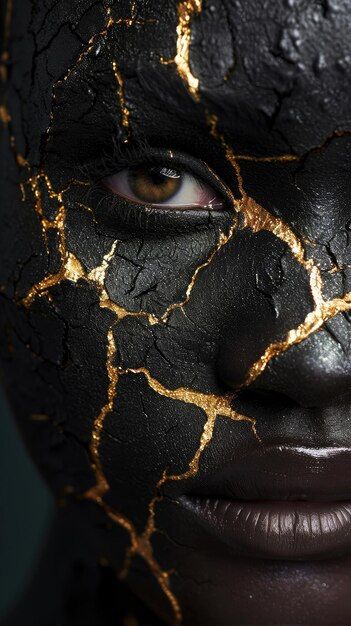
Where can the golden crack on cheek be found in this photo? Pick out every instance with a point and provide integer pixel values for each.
(121, 93)
(101, 487)
(213, 406)
(139, 544)
(222, 241)
(72, 268)
(312, 323)
(258, 219)
(186, 11)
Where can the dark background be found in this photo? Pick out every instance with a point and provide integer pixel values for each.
(25, 512)
(25, 504)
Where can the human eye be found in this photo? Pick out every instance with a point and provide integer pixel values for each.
(160, 185)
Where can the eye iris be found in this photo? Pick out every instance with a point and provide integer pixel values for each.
(154, 184)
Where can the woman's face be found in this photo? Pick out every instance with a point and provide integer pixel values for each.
(176, 291)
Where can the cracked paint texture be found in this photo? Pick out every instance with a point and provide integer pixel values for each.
(137, 334)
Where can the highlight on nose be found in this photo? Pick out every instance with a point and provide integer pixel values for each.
(314, 373)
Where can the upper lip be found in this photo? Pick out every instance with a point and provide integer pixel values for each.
(280, 473)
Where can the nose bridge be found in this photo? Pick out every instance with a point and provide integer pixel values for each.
(315, 372)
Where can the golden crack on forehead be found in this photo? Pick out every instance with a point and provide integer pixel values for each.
(121, 93)
(222, 241)
(186, 11)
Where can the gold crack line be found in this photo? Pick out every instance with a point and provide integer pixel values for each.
(125, 113)
(312, 323)
(72, 269)
(186, 10)
(139, 544)
(110, 21)
(222, 241)
(213, 406)
(257, 218)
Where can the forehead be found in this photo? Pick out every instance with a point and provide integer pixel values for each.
(275, 73)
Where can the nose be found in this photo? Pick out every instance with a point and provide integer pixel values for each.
(314, 373)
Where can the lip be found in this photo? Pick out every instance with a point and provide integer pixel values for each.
(288, 503)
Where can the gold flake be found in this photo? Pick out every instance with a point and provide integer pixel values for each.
(223, 240)
(186, 11)
(125, 114)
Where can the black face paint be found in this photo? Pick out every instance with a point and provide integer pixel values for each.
(184, 372)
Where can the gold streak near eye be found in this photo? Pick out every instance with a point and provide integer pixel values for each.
(223, 240)
(313, 322)
(186, 11)
(257, 218)
(125, 114)
(281, 158)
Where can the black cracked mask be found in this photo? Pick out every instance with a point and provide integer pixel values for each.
(175, 297)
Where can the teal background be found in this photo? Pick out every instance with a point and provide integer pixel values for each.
(26, 510)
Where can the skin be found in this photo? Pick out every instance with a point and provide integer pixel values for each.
(99, 391)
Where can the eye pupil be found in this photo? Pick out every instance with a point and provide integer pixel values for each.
(154, 184)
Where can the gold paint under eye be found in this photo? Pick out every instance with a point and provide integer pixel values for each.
(154, 184)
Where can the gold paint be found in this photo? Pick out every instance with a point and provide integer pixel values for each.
(5, 117)
(101, 486)
(186, 11)
(223, 240)
(212, 405)
(280, 158)
(140, 545)
(312, 323)
(66, 269)
(258, 219)
(110, 22)
(125, 114)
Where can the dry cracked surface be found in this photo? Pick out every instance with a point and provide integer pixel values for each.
(52, 205)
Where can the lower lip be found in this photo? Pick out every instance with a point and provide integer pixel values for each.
(276, 530)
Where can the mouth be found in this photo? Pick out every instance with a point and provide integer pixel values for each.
(282, 503)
